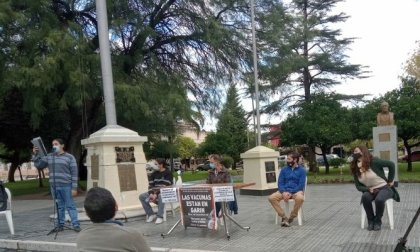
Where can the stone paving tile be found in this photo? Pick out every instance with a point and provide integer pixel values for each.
(331, 223)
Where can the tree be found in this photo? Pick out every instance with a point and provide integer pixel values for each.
(412, 66)
(185, 147)
(405, 105)
(168, 57)
(213, 144)
(323, 123)
(233, 125)
(302, 51)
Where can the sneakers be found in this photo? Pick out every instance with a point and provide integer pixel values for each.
(290, 221)
(150, 218)
(77, 229)
(159, 220)
(285, 222)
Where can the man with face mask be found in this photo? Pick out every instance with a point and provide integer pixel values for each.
(63, 181)
(291, 185)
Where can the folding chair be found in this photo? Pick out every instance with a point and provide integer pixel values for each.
(389, 207)
(287, 206)
(8, 212)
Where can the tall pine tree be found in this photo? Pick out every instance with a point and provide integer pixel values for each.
(233, 125)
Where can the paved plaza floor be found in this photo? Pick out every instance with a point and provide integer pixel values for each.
(331, 223)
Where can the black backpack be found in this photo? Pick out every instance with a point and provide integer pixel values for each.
(3, 197)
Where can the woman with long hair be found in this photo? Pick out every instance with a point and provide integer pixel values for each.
(370, 179)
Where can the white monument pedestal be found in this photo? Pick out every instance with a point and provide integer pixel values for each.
(385, 140)
(115, 161)
(261, 168)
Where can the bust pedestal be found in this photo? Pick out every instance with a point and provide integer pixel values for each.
(115, 160)
(261, 167)
(385, 145)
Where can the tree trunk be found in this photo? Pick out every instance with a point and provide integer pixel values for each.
(408, 148)
(311, 160)
(306, 73)
(14, 165)
(324, 156)
(20, 173)
(40, 172)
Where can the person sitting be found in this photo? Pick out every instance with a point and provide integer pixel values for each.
(107, 234)
(161, 177)
(370, 179)
(291, 185)
(218, 174)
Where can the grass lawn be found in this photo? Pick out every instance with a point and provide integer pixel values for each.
(202, 175)
(335, 175)
(31, 186)
(27, 187)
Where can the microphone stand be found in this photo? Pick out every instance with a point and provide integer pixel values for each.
(56, 215)
(402, 241)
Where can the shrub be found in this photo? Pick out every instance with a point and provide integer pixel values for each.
(336, 162)
(227, 161)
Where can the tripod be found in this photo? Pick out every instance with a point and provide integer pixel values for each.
(57, 228)
(402, 241)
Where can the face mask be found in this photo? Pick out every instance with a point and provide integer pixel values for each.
(356, 156)
(212, 165)
(290, 163)
(155, 167)
(56, 149)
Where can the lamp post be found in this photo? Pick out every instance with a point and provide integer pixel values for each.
(106, 67)
(257, 95)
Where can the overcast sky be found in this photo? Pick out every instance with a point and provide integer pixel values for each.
(386, 32)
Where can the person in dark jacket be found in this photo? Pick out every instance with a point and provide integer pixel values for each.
(291, 185)
(370, 179)
(160, 178)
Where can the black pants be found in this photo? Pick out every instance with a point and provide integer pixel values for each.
(380, 198)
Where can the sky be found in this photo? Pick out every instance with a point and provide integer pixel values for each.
(386, 32)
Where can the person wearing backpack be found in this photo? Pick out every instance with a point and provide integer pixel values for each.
(63, 181)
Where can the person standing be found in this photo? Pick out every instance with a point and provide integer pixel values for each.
(63, 179)
(291, 185)
(370, 179)
(161, 177)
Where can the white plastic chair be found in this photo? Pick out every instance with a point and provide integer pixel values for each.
(300, 212)
(389, 207)
(8, 212)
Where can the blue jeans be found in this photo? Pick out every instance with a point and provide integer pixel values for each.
(62, 195)
(144, 199)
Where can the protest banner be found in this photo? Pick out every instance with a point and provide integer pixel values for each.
(197, 207)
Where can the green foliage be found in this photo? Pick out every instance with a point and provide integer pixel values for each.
(302, 49)
(185, 147)
(213, 144)
(233, 126)
(323, 122)
(227, 161)
(336, 162)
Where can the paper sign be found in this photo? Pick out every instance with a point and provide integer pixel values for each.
(197, 207)
(168, 195)
(223, 193)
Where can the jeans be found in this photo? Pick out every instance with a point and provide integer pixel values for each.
(233, 205)
(63, 198)
(144, 200)
(380, 198)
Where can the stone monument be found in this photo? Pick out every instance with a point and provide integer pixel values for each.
(116, 161)
(385, 137)
(261, 168)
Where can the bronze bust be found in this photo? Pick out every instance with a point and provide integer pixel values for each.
(385, 117)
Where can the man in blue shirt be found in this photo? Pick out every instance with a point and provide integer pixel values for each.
(291, 184)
